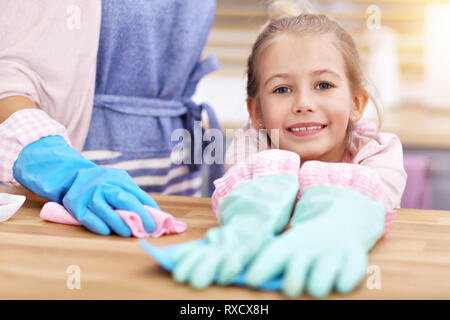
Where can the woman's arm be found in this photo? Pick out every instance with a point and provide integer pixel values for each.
(12, 104)
(48, 54)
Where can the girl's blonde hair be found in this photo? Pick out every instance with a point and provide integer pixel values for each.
(293, 22)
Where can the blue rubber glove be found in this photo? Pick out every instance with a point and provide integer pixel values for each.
(56, 172)
(250, 215)
(332, 230)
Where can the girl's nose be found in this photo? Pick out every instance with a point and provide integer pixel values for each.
(303, 101)
(302, 107)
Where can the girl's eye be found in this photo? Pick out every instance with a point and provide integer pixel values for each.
(323, 85)
(282, 90)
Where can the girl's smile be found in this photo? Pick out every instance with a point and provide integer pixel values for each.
(306, 129)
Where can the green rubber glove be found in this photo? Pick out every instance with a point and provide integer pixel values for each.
(250, 215)
(332, 230)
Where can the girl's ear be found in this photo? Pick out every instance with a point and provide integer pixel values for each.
(360, 99)
(254, 112)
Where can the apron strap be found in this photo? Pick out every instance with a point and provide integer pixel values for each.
(216, 170)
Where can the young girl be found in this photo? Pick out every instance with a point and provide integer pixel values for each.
(336, 180)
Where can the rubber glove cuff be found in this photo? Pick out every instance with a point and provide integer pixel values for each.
(19, 130)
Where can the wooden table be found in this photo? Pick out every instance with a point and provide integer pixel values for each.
(413, 258)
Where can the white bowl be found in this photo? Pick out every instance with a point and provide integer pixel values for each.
(9, 204)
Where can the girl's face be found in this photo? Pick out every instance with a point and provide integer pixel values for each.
(303, 92)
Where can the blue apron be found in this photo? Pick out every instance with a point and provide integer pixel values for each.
(148, 67)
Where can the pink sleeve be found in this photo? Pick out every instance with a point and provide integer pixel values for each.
(357, 177)
(384, 155)
(20, 129)
(265, 163)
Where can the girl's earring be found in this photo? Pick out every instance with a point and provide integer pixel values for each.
(260, 124)
(354, 118)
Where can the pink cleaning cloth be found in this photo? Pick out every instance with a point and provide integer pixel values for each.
(165, 222)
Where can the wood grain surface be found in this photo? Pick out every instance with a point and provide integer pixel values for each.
(413, 258)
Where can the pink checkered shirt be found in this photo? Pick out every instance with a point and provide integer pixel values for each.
(20, 129)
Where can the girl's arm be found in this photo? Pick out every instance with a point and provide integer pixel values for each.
(254, 202)
(376, 172)
(337, 220)
(384, 155)
(259, 164)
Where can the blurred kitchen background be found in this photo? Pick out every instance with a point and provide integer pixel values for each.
(405, 48)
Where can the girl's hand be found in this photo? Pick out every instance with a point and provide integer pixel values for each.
(332, 230)
(250, 215)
